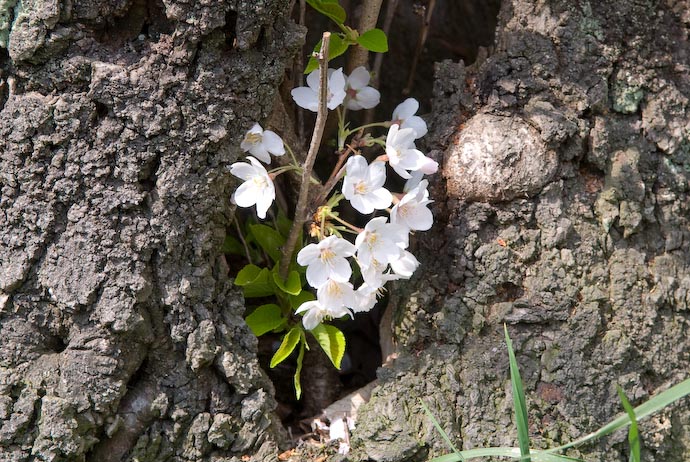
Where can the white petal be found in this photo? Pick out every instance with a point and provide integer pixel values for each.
(308, 254)
(368, 97)
(419, 218)
(380, 198)
(361, 204)
(417, 124)
(377, 174)
(273, 143)
(260, 152)
(405, 138)
(356, 166)
(313, 79)
(242, 170)
(264, 201)
(317, 274)
(406, 109)
(245, 195)
(352, 104)
(359, 78)
(411, 159)
(406, 265)
(413, 182)
(260, 170)
(305, 98)
(429, 167)
(342, 247)
(400, 171)
(341, 270)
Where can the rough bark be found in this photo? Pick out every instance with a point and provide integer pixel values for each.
(566, 167)
(122, 337)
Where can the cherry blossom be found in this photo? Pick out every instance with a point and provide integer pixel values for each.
(405, 265)
(412, 212)
(403, 155)
(308, 97)
(363, 185)
(257, 188)
(260, 143)
(359, 95)
(380, 241)
(404, 115)
(327, 260)
(334, 295)
(315, 312)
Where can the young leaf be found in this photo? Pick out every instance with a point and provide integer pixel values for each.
(332, 341)
(330, 9)
(300, 358)
(269, 239)
(374, 40)
(633, 436)
(293, 285)
(336, 47)
(261, 286)
(264, 319)
(518, 401)
(288, 344)
(247, 274)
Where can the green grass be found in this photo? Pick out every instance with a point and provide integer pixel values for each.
(525, 453)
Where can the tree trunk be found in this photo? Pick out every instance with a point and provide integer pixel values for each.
(122, 337)
(566, 166)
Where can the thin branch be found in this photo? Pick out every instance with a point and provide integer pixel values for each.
(420, 46)
(321, 115)
(387, 21)
(359, 56)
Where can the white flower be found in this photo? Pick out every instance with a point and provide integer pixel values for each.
(403, 155)
(327, 260)
(404, 115)
(380, 241)
(359, 95)
(308, 97)
(405, 266)
(315, 312)
(374, 274)
(334, 295)
(259, 142)
(430, 166)
(366, 298)
(412, 211)
(257, 187)
(363, 185)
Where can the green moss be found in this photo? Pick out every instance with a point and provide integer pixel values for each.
(7, 14)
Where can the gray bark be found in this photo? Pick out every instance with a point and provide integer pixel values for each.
(566, 167)
(122, 337)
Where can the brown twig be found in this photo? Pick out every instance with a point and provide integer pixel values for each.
(321, 115)
(387, 22)
(420, 46)
(367, 21)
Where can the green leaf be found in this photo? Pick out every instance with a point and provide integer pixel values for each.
(633, 435)
(257, 282)
(336, 47)
(300, 358)
(269, 239)
(232, 246)
(440, 429)
(284, 224)
(374, 40)
(293, 285)
(537, 456)
(265, 319)
(332, 341)
(518, 401)
(290, 341)
(297, 300)
(330, 9)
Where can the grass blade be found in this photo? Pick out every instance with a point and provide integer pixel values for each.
(518, 401)
(633, 435)
(537, 456)
(649, 407)
(444, 435)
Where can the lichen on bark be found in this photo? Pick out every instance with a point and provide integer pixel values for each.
(123, 338)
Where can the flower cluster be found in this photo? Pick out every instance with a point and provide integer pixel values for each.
(380, 248)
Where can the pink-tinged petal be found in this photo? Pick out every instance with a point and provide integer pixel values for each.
(313, 79)
(308, 254)
(380, 198)
(368, 97)
(245, 195)
(242, 170)
(317, 273)
(260, 152)
(429, 167)
(340, 270)
(406, 109)
(306, 98)
(273, 143)
(417, 124)
(359, 78)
